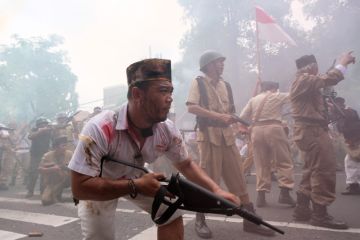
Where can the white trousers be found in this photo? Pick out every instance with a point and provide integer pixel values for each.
(352, 170)
(98, 217)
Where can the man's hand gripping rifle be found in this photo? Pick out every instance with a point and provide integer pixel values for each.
(192, 197)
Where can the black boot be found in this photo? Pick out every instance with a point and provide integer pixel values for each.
(285, 197)
(201, 229)
(321, 218)
(302, 211)
(253, 228)
(260, 200)
(352, 189)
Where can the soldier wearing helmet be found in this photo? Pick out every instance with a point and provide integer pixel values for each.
(40, 137)
(211, 100)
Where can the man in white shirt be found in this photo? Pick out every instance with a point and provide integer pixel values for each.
(139, 132)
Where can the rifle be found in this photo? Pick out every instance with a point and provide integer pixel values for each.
(240, 120)
(192, 197)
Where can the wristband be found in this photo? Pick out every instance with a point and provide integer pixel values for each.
(133, 192)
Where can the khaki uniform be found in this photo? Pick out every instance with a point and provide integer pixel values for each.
(68, 131)
(269, 140)
(7, 161)
(219, 155)
(55, 180)
(312, 137)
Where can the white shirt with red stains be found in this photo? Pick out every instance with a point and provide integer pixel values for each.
(106, 135)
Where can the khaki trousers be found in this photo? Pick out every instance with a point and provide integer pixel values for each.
(223, 161)
(319, 172)
(270, 145)
(249, 160)
(7, 163)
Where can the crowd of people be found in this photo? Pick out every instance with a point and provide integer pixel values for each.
(39, 148)
(141, 132)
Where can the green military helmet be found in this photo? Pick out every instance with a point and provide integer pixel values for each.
(208, 56)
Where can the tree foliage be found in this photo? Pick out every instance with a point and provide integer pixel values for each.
(35, 79)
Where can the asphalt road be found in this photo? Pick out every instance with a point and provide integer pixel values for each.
(20, 216)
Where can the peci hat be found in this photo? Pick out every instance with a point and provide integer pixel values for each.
(305, 60)
(149, 70)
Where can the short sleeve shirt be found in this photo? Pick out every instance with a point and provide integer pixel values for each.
(218, 100)
(106, 135)
(272, 108)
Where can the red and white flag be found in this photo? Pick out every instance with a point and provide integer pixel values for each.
(269, 30)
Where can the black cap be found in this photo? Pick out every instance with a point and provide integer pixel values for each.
(305, 60)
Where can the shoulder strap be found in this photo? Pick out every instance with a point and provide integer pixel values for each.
(204, 101)
(260, 108)
(137, 150)
(230, 95)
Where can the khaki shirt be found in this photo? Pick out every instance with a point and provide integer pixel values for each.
(67, 131)
(272, 108)
(218, 102)
(305, 95)
(50, 159)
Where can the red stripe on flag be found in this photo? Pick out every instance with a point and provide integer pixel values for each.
(262, 16)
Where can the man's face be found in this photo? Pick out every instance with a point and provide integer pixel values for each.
(216, 67)
(61, 148)
(156, 101)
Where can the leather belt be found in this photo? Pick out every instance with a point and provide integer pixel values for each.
(267, 122)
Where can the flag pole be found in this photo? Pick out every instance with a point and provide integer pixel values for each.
(258, 81)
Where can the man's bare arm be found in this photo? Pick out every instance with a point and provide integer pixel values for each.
(194, 173)
(101, 189)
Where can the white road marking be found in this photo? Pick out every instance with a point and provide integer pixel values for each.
(45, 218)
(151, 232)
(5, 235)
(38, 218)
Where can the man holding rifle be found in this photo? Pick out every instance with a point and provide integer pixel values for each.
(139, 132)
(210, 99)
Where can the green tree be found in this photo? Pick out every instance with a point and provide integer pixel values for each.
(35, 78)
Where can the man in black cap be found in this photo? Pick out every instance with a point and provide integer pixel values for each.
(311, 136)
(138, 132)
(40, 137)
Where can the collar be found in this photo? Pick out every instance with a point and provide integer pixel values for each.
(212, 81)
(123, 123)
